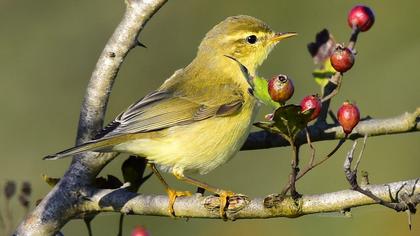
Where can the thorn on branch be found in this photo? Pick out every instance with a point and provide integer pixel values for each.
(139, 44)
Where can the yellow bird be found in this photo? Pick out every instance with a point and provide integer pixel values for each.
(199, 117)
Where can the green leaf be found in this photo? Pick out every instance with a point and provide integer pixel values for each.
(261, 92)
(258, 84)
(322, 74)
(268, 126)
(288, 121)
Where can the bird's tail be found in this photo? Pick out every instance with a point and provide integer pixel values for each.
(94, 145)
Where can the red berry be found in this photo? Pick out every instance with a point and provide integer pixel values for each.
(280, 88)
(311, 102)
(139, 231)
(361, 17)
(342, 59)
(348, 116)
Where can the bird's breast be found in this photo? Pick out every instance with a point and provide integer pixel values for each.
(202, 146)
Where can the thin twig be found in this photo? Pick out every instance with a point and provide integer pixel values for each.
(398, 205)
(353, 38)
(292, 176)
(339, 144)
(294, 173)
(336, 79)
(308, 139)
(311, 166)
(361, 152)
(120, 225)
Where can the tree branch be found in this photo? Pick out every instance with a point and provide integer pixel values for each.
(57, 208)
(197, 206)
(407, 122)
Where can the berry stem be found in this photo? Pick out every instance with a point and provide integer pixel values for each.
(330, 90)
(353, 37)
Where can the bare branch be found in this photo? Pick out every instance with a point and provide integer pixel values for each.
(405, 123)
(198, 206)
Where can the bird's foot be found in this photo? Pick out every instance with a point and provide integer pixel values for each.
(224, 198)
(173, 194)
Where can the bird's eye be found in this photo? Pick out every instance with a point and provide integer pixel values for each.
(251, 39)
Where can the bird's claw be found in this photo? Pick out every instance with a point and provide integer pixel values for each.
(172, 195)
(224, 198)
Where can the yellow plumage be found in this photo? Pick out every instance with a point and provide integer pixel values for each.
(200, 117)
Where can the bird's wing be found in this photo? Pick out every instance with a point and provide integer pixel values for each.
(163, 109)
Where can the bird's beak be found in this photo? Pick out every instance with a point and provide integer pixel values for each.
(280, 36)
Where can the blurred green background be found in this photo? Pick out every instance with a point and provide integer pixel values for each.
(49, 49)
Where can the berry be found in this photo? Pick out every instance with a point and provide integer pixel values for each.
(311, 102)
(342, 59)
(280, 88)
(361, 17)
(348, 116)
(139, 231)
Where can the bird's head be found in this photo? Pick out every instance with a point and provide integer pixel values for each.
(245, 38)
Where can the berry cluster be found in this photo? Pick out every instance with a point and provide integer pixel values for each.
(281, 88)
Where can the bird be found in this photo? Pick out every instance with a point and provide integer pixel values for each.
(199, 118)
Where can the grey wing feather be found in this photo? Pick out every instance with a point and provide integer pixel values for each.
(130, 112)
(163, 109)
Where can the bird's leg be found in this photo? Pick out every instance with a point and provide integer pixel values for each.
(172, 193)
(224, 195)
